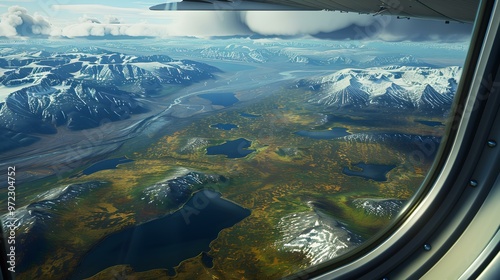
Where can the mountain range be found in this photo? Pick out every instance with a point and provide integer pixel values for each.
(396, 87)
(81, 90)
(242, 53)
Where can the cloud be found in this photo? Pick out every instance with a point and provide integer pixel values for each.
(94, 29)
(301, 22)
(350, 26)
(86, 19)
(162, 23)
(207, 24)
(387, 28)
(17, 22)
(424, 30)
(112, 20)
(108, 21)
(198, 24)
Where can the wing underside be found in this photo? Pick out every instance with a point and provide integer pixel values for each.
(448, 10)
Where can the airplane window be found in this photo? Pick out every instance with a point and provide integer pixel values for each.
(244, 144)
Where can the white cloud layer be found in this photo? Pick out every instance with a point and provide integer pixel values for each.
(207, 24)
(296, 23)
(86, 29)
(111, 21)
(182, 24)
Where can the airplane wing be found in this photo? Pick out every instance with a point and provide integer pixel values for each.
(448, 10)
(228, 5)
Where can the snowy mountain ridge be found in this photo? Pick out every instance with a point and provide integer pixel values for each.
(391, 86)
(41, 90)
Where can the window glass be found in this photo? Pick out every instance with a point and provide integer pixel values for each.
(211, 145)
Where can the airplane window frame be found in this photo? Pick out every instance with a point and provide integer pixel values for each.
(446, 183)
(399, 250)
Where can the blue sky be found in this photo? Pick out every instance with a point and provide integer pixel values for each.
(77, 19)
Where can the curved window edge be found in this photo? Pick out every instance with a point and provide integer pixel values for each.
(398, 250)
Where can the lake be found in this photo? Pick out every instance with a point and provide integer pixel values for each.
(333, 133)
(165, 242)
(223, 99)
(232, 149)
(105, 164)
(375, 172)
(224, 126)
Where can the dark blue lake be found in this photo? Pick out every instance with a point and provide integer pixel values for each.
(247, 115)
(224, 99)
(165, 242)
(106, 164)
(224, 126)
(333, 133)
(375, 172)
(429, 123)
(232, 149)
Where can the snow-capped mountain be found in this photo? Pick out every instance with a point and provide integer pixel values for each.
(340, 60)
(404, 60)
(293, 54)
(178, 190)
(405, 87)
(315, 234)
(28, 69)
(40, 90)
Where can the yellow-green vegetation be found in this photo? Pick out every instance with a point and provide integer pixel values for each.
(279, 178)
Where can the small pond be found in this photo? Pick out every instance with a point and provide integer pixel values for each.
(232, 149)
(375, 172)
